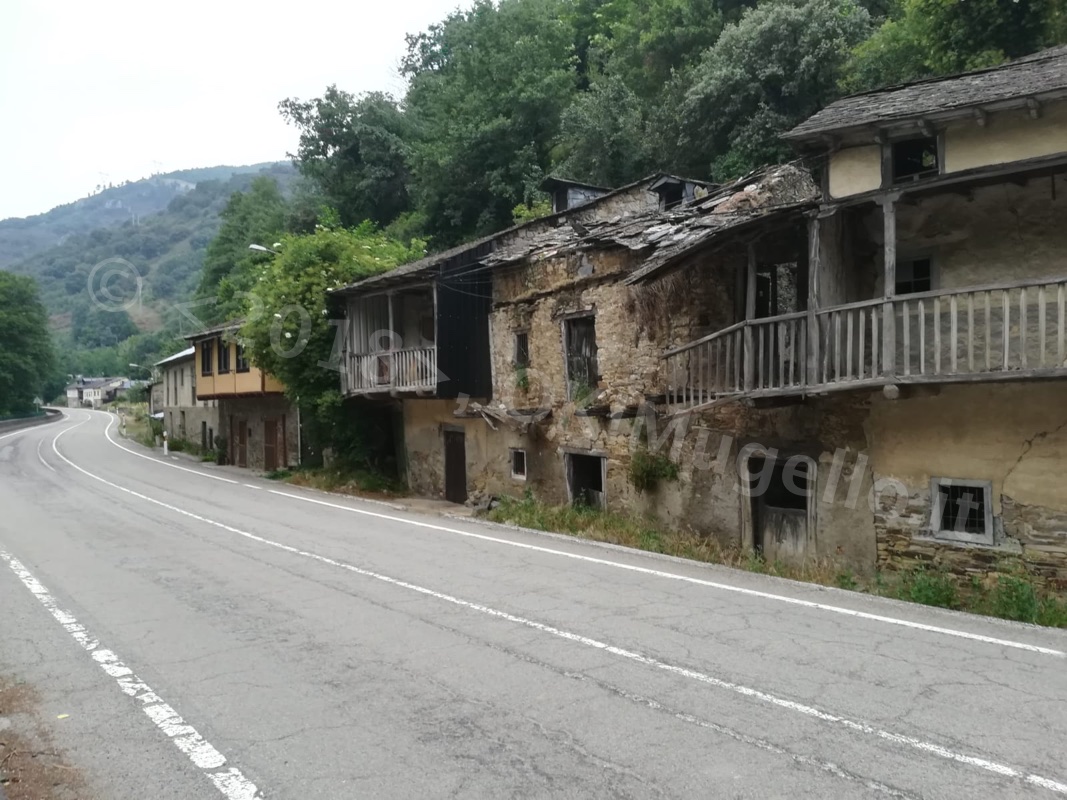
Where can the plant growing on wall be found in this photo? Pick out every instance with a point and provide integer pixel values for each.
(648, 469)
(522, 378)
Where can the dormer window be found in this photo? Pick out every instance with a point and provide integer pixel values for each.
(914, 159)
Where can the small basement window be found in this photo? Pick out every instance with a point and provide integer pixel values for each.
(522, 349)
(914, 159)
(914, 276)
(518, 465)
(962, 510)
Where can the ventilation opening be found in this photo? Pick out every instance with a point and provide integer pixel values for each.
(586, 477)
(522, 349)
(962, 509)
(518, 464)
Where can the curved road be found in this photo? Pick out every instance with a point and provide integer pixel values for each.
(209, 634)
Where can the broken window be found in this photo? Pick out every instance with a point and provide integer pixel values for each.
(914, 159)
(962, 510)
(914, 276)
(522, 349)
(580, 344)
(585, 477)
(518, 464)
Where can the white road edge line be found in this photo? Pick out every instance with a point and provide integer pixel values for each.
(41, 457)
(849, 612)
(629, 655)
(230, 782)
(107, 435)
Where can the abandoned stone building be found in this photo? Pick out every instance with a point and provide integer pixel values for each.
(869, 367)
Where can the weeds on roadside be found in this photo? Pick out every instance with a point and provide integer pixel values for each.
(1011, 596)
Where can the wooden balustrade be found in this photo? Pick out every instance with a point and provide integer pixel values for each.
(1011, 330)
(413, 369)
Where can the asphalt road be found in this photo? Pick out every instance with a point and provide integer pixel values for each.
(208, 634)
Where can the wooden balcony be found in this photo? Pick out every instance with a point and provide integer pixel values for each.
(393, 371)
(1010, 331)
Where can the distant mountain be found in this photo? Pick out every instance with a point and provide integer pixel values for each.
(153, 232)
(22, 238)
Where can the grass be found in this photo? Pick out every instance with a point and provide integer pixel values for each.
(1011, 596)
(359, 482)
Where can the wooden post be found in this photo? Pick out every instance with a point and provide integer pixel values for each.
(392, 341)
(889, 327)
(750, 314)
(814, 267)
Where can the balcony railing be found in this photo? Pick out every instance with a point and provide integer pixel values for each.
(410, 370)
(1006, 331)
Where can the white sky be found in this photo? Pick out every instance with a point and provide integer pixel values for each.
(93, 93)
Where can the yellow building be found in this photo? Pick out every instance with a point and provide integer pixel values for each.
(259, 425)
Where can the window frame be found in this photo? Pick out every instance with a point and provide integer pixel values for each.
(520, 363)
(223, 359)
(242, 365)
(936, 512)
(911, 258)
(594, 379)
(207, 358)
(518, 451)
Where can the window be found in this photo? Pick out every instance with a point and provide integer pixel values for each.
(914, 159)
(781, 484)
(207, 353)
(962, 510)
(582, 369)
(181, 376)
(522, 349)
(242, 359)
(518, 465)
(224, 357)
(914, 276)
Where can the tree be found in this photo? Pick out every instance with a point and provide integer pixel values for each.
(778, 65)
(602, 138)
(937, 37)
(487, 89)
(26, 358)
(355, 149)
(290, 331)
(253, 217)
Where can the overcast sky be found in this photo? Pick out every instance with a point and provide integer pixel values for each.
(93, 93)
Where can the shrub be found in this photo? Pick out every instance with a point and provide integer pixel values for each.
(647, 470)
(930, 587)
(1014, 598)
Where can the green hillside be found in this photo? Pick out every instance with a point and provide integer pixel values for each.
(22, 238)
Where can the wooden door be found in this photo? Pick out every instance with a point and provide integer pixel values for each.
(455, 467)
(270, 445)
(242, 444)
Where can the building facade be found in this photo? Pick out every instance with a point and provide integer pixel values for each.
(185, 417)
(866, 368)
(257, 426)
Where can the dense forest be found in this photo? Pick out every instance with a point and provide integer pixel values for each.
(606, 91)
(27, 366)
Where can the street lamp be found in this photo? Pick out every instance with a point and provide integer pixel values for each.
(261, 249)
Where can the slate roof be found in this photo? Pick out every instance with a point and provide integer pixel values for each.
(232, 325)
(1042, 74)
(425, 267)
(667, 236)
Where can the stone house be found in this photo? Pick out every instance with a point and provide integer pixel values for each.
(185, 417)
(257, 425)
(867, 368)
(418, 339)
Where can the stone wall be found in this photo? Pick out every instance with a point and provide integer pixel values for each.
(1012, 435)
(255, 411)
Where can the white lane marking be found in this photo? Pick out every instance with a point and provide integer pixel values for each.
(725, 587)
(630, 655)
(250, 486)
(107, 435)
(230, 782)
(41, 458)
(686, 579)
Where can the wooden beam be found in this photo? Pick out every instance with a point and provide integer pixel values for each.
(750, 314)
(1034, 107)
(814, 268)
(889, 217)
